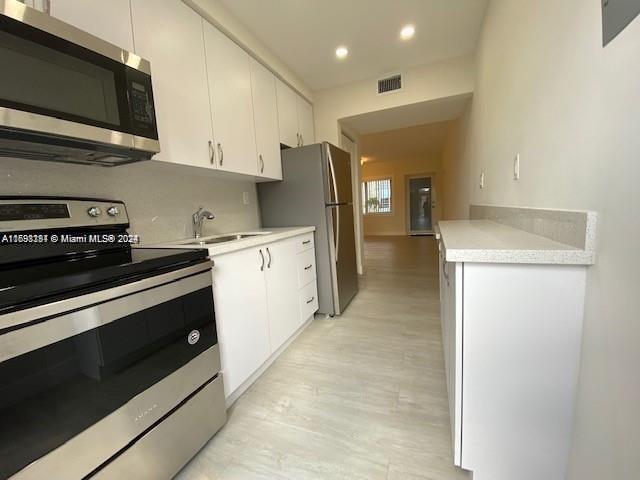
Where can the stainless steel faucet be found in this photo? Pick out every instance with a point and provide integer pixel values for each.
(197, 218)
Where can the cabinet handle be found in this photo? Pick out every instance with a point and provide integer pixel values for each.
(262, 257)
(220, 153)
(269, 253)
(261, 163)
(308, 267)
(298, 137)
(311, 299)
(444, 270)
(211, 152)
(301, 140)
(306, 242)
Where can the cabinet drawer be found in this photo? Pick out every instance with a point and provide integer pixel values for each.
(306, 267)
(308, 300)
(305, 242)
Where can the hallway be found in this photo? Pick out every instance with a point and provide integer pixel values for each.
(360, 396)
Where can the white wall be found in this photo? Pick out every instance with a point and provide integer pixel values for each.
(160, 197)
(547, 89)
(428, 82)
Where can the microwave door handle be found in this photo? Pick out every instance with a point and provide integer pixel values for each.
(332, 172)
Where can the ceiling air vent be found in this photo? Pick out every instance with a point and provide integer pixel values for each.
(392, 83)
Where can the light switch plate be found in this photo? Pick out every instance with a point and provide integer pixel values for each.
(245, 198)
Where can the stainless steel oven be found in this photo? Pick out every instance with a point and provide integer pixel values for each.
(68, 96)
(109, 359)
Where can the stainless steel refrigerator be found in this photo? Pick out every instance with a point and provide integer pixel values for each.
(316, 190)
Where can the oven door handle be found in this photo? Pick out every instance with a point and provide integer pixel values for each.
(33, 336)
(15, 319)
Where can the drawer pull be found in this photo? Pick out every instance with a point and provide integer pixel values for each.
(311, 299)
(306, 242)
(308, 267)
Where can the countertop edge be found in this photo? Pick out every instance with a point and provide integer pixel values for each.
(250, 242)
(550, 256)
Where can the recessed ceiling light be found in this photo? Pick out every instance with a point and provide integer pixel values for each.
(407, 32)
(342, 52)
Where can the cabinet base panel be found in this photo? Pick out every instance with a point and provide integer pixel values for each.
(233, 396)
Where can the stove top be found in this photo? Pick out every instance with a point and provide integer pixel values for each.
(56, 248)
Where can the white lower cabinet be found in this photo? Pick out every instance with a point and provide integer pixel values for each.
(240, 299)
(282, 285)
(511, 337)
(258, 307)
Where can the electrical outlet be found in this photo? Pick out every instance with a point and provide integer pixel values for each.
(516, 167)
(481, 180)
(245, 198)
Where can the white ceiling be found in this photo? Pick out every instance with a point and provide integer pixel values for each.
(438, 110)
(305, 34)
(421, 141)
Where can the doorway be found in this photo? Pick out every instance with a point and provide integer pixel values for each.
(420, 202)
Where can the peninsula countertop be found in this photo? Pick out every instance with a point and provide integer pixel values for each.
(486, 241)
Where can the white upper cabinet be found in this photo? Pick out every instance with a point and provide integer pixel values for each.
(295, 117)
(169, 35)
(287, 114)
(305, 121)
(265, 113)
(231, 103)
(110, 21)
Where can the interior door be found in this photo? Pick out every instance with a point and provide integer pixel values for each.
(240, 301)
(229, 78)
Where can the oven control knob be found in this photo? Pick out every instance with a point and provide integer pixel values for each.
(193, 337)
(94, 212)
(113, 211)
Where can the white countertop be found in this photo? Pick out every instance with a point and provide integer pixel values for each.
(486, 241)
(265, 235)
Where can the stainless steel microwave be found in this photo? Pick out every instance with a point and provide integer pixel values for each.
(68, 96)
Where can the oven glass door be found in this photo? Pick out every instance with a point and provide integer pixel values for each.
(47, 75)
(50, 395)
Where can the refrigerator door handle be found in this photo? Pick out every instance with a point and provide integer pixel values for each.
(333, 175)
(337, 232)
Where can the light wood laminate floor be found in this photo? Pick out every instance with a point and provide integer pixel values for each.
(361, 396)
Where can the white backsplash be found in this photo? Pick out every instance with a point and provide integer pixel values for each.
(160, 198)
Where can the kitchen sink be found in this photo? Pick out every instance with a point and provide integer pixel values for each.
(226, 238)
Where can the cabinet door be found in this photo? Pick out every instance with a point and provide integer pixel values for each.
(169, 35)
(240, 301)
(305, 121)
(265, 113)
(110, 21)
(229, 79)
(451, 322)
(287, 114)
(282, 291)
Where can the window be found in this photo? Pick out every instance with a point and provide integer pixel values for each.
(376, 196)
